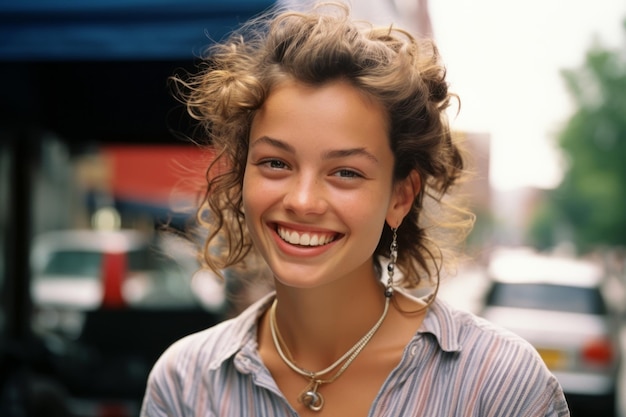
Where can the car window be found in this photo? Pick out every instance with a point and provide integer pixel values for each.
(73, 263)
(142, 259)
(547, 297)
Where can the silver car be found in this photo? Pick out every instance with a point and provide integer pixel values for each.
(558, 305)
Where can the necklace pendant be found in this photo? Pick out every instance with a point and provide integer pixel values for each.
(311, 398)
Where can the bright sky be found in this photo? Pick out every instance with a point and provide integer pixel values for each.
(503, 59)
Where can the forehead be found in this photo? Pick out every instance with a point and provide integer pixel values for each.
(335, 109)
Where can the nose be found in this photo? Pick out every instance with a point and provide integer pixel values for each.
(305, 196)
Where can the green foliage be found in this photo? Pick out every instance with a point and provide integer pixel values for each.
(589, 204)
(542, 230)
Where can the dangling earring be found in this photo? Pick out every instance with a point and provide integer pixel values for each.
(391, 266)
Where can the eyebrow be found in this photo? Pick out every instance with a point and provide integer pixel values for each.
(342, 153)
(332, 154)
(273, 142)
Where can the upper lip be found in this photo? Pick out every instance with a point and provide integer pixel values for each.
(304, 229)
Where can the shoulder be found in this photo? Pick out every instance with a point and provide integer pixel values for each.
(461, 331)
(203, 348)
(183, 365)
(207, 349)
(499, 366)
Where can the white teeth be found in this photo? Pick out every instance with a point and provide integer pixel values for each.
(293, 238)
(306, 239)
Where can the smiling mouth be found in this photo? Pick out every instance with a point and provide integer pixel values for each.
(306, 238)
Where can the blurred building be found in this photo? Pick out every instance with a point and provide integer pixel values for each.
(513, 212)
(144, 184)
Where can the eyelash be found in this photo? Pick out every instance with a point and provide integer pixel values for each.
(350, 173)
(271, 164)
(277, 164)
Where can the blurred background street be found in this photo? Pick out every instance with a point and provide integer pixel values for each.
(99, 183)
(469, 290)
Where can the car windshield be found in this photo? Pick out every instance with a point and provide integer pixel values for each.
(73, 263)
(551, 297)
(82, 263)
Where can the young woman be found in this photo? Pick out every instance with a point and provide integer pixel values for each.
(333, 157)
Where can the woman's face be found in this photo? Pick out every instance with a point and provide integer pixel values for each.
(318, 183)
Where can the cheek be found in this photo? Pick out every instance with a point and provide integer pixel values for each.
(368, 207)
(247, 197)
(366, 228)
(249, 206)
(256, 197)
(365, 216)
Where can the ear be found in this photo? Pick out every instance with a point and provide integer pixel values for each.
(404, 194)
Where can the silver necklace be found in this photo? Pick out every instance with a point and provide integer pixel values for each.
(311, 397)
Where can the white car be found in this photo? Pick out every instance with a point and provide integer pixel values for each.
(107, 303)
(86, 269)
(68, 266)
(558, 305)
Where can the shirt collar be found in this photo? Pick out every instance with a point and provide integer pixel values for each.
(440, 321)
(243, 330)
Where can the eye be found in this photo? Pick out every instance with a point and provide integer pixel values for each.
(273, 164)
(347, 173)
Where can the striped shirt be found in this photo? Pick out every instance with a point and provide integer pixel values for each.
(457, 365)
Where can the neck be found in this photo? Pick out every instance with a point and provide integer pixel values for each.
(319, 325)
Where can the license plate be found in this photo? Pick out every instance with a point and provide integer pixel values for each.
(553, 359)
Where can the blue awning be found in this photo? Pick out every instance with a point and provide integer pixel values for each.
(44, 30)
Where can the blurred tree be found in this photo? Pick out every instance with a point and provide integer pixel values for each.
(588, 206)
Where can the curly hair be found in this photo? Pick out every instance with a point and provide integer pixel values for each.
(396, 69)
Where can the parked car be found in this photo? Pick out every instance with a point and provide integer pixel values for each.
(107, 303)
(86, 269)
(558, 305)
